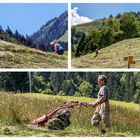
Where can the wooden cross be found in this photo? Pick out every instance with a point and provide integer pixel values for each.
(130, 60)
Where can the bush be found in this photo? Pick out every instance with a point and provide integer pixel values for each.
(85, 88)
(137, 97)
(48, 91)
(61, 93)
(77, 94)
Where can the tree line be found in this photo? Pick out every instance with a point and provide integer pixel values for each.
(112, 29)
(16, 37)
(123, 86)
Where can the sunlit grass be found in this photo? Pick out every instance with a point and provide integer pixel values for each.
(19, 56)
(21, 109)
(111, 56)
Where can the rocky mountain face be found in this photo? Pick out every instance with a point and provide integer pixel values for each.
(55, 29)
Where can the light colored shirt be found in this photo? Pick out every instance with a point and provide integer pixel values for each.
(104, 91)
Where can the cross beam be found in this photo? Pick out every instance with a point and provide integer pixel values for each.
(130, 60)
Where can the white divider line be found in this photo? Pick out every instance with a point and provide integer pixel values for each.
(70, 70)
(69, 35)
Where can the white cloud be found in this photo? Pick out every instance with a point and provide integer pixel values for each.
(77, 19)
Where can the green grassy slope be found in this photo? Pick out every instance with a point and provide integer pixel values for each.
(112, 56)
(19, 56)
(86, 27)
(63, 38)
(18, 110)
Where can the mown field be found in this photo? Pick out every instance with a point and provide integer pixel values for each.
(19, 56)
(18, 110)
(111, 56)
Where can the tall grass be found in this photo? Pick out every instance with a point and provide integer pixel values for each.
(17, 108)
(111, 56)
(23, 108)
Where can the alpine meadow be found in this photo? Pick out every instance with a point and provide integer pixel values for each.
(19, 108)
(45, 94)
(103, 43)
(18, 49)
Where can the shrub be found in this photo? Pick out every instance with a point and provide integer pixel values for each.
(77, 94)
(48, 91)
(61, 93)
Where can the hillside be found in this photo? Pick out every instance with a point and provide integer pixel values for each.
(54, 29)
(63, 38)
(18, 110)
(86, 27)
(111, 56)
(19, 56)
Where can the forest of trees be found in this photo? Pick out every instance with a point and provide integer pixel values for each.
(123, 86)
(16, 37)
(112, 29)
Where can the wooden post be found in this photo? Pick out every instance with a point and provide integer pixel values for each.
(30, 82)
(130, 60)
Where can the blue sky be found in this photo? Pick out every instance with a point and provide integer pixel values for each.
(100, 10)
(28, 18)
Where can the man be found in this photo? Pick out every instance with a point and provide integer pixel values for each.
(57, 48)
(97, 52)
(101, 105)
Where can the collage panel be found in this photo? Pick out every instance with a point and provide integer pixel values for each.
(77, 104)
(33, 35)
(105, 35)
(68, 70)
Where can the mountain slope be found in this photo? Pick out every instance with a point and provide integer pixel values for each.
(52, 30)
(112, 56)
(19, 56)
